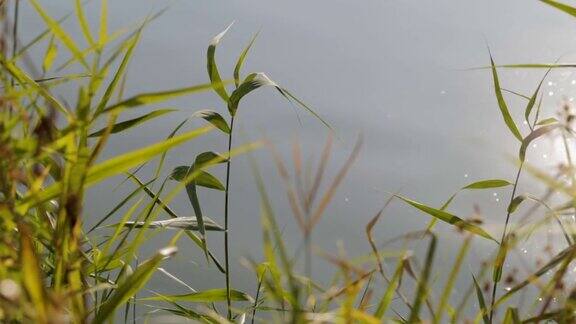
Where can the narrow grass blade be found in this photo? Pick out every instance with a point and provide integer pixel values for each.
(534, 135)
(207, 296)
(532, 101)
(213, 73)
(26, 80)
(252, 82)
(173, 214)
(449, 218)
(502, 104)
(60, 33)
(49, 56)
(547, 121)
(32, 273)
(488, 184)
(560, 6)
(103, 30)
(369, 228)
(446, 292)
(83, 22)
(203, 179)
(481, 302)
(393, 284)
(187, 223)
(241, 60)
(213, 118)
(131, 285)
(154, 97)
(423, 282)
(119, 72)
(511, 316)
(125, 125)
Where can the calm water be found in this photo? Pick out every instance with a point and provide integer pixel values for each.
(394, 71)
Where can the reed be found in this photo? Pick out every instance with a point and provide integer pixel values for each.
(54, 268)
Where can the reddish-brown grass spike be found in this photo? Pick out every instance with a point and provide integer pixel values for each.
(320, 172)
(335, 183)
(369, 228)
(298, 172)
(289, 188)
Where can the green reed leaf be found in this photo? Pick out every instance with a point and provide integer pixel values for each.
(213, 118)
(423, 281)
(534, 135)
(50, 55)
(119, 72)
(241, 60)
(488, 184)
(207, 296)
(502, 104)
(203, 179)
(390, 290)
(131, 123)
(547, 121)
(60, 33)
(132, 284)
(563, 7)
(83, 22)
(481, 302)
(154, 97)
(213, 73)
(532, 101)
(449, 218)
(186, 223)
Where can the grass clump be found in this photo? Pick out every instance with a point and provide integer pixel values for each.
(54, 269)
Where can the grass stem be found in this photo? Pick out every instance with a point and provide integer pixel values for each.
(226, 212)
(495, 286)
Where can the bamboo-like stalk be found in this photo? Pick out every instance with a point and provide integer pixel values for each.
(226, 214)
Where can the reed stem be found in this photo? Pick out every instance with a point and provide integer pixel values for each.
(226, 210)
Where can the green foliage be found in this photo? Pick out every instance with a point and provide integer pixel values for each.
(55, 269)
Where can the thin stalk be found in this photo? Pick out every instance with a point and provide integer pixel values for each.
(14, 40)
(260, 279)
(495, 286)
(226, 209)
(572, 176)
(308, 249)
(15, 29)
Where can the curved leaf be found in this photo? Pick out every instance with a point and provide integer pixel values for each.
(207, 296)
(534, 135)
(241, 59)
(122, 126)
(449, 218)
(213, 118)
(153, 97)
(515, 203)
(186, 223)
(502, 104)
(532, 101)
(481, 302)
(252, 82)
(487, 184)
(203, 179)
(60, 33)
(563, 7)
(213, 73)
(128, 287)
